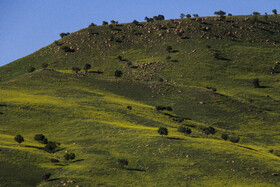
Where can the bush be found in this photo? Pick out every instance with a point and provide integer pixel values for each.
(163, 131)
(184, 130)
(46, 176)
(224, 136)
(18, 138)
(118, 73)
(256, 83)
(234, 139)
(51, 146)
(69, 156)
(123, 162)
(31, 69)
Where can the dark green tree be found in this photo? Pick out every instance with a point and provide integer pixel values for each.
(163, 131)
(46, 176)
(104, 23)
(256, 13)
(188, 16)
(169, 49)
(224, 136)
(18, 138)
(123, 162)
(184, 130)
(51, 146)
(118, 73)
(31, 69)
(256, 83)
(195, 15)
(274, 11)
(41, 138)
(220, 13)
(234, 139)
(182, 16)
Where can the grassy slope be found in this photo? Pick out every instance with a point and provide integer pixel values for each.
(88, 114)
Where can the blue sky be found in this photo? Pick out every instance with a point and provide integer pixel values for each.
(28, 25)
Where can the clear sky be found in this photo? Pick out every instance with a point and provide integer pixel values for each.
(28, 25)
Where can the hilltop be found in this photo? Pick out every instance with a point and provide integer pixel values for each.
(195, 73)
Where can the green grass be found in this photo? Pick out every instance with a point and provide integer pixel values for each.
(88, 114)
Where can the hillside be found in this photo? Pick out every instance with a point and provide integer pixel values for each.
(200, 68)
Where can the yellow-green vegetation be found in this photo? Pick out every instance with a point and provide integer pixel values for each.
(205, 81)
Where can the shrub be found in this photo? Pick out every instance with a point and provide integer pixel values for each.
(41, 138)
(234, 139)
(118, 73)
(18, 138)
(184, 130)
(76, 69)
(163, 131)
(224, 136)
(51, 146)
(256, 83)
(46, 176)
(69, 156)
(123, 162)
(31, 69)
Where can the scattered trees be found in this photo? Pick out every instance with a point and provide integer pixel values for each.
(163, 131)
(18, 138)
(62, 35)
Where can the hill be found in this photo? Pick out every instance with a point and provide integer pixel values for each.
(193, 73)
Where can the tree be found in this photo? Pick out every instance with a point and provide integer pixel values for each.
(256, 83)
(274, 11)
(265, 16)
(120, 58)
(135, 22)
(224, 136)
(188, 16)
(234, 139)
(92, 25)
(195, 15)
(41, 138)
(184, 130)
(113, 22)
(220, 13)
(163, 131)
(123, 162)
(46, 176)
(69, 156)
(76, 69)
(118, 73)
(87, 67)
(104, 23)
(229, 14)
(168, 48)
(18, 138)
(51, 146)
(182, 16)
